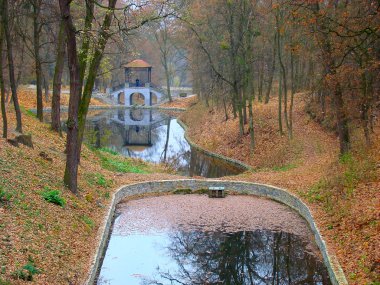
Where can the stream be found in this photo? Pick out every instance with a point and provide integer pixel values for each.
(153, 136)
(192, 239)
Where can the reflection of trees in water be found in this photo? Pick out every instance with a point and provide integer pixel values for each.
(180, 158)
(206, 166)
(168, 144)
(259, 257)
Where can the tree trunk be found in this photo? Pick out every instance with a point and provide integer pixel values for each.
(240, 111)
(11, 64)
(283, 74)
(36, 43)
(244, 105)
(2, 87)
(271, 72)
(342, 121)
(225, 109)
(167, 75)
(261, 81)
(234, 112)
(71, 170)
(92, 73)
(45, 74)
(292, 91)
(84, 51)
(167, 139)
(337, 95)
(280, 105)
(251, 128)
(57, 80)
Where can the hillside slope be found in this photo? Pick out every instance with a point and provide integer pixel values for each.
(343, 193)
(39, 236)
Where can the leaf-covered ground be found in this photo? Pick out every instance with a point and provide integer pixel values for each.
(28, 98)
(40, 236)
(184, 102)
(343, 194)
(59, 242)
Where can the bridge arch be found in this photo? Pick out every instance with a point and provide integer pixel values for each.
(121, 98)
(137, 98)
(130, 96)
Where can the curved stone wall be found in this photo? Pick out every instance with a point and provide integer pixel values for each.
(235, 162)
(335, 272)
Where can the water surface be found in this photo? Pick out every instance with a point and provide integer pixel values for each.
(155, 137)
(192, 239)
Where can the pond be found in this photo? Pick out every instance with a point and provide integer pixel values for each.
(192, 239)
(155, 137)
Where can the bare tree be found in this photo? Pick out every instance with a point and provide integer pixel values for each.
(71, 170)
(57, 80)
(37, 27)
(2, 87)
(12, 79)
(166, 53)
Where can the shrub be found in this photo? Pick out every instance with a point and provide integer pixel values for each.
(53, 196)
(88, 221)
(5, 196)
(182, 94)
(26, 272)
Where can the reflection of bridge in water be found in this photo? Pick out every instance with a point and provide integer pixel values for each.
(139, 124)
(152, 136)
(135, 125)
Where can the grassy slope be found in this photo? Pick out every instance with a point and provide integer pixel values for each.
(343, 194)
(59, 240)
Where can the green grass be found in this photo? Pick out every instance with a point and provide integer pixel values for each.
(201, 191)
(53, 196)
(356, 169)
(26, 272)
(31, 114)
(316, 192)
(5, 196)
(88, 221)
(117, 163)
(284, 167)
(28, 112)
(182, 191)
(4, 282)
(108, 150)
(98, 179)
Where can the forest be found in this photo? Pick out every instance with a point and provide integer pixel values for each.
(97, 95)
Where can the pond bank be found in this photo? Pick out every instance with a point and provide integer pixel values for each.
(309, 167)
(277, 194)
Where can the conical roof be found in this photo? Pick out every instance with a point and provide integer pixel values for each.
(138, 63)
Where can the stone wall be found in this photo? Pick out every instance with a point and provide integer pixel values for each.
(232, 161)
(335, 272)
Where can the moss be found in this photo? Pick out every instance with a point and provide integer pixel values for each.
(201, 191)
(183, 191)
